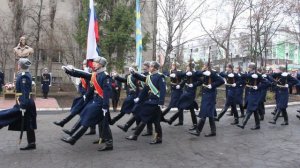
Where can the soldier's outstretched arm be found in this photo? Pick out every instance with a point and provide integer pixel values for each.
(121, 79)
(138, 76)
(77, 72)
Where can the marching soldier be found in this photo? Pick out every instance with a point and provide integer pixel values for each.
(231, 80)
(22, 117)
(142, 79)
(46, 81)
(264, 89)
(211, 80)
(187, 98)
(78, 103)
(152, 97)
(176, 89)
(240, 91)
(132, 89)
(282, 80)
(253, 85)
(96, 111)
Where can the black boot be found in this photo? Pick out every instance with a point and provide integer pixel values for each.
(127, 125)
(242, 111)
(108, 145)
(92, 131)
(199, 128)
(193, 127)
(72, 140)
(213, 128)
(137, 132)
(64, 121)
(245, 120)
(275, 117)
(221, 114)
(157, 140)
(235, 122)
(298, 116)
(175, 116)
(149, 130)
(285, 117)
(116, 118)
(257, 121)
(30, 146)
(74, 128)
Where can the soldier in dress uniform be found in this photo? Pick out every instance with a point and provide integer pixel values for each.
(210, 81)
(78, 103)
(135, 118)
(266, 83)
(152, 99)
(177, 85)
(22, 117)
(46, 82)
(116, 87)
(132, 89)
(96, 111)
(187, 98)
(240, 91)
(253, 92)
(282, 80)
(231, 80)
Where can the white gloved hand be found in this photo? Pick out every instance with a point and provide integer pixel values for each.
(255, 76)
(136, 100)
(114, 74)
(209, 86)
(286, 85)
(161, 107)
(50, 85)
(177, 86)
(233, 85)
(207, 73)
(190, 85)
(131, 69)
(84, 97)
(172, 75)
(264, 75)
(23, 111)
(104, 111)
(255, 87)
(189, 73)
(117, 88)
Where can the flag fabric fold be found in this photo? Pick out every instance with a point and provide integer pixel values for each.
(138, 36)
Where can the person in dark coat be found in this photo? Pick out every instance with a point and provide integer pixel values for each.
(132, 89)
(135, 118)
(231, 82)
(282, 80)
(240, 91)
(177, 84)
(210, 82)
(22, 117)
(46, 83)
(78, 104)
(153, 95)
(97, 110)
(187, 98)
(253, 92)
(1, 80)
(266, 83)
(116, 87)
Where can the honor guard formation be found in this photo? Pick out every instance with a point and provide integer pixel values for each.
(146, 93)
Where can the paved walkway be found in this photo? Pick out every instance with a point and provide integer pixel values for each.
(273, 146)
(41, 103)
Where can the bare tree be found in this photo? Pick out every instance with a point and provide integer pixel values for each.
(17, 9)
(176, 19)
(223, 29)
(267, 18)
(52, 5)
(5, 47)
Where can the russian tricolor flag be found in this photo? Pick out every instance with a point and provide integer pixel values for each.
(93, 35)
